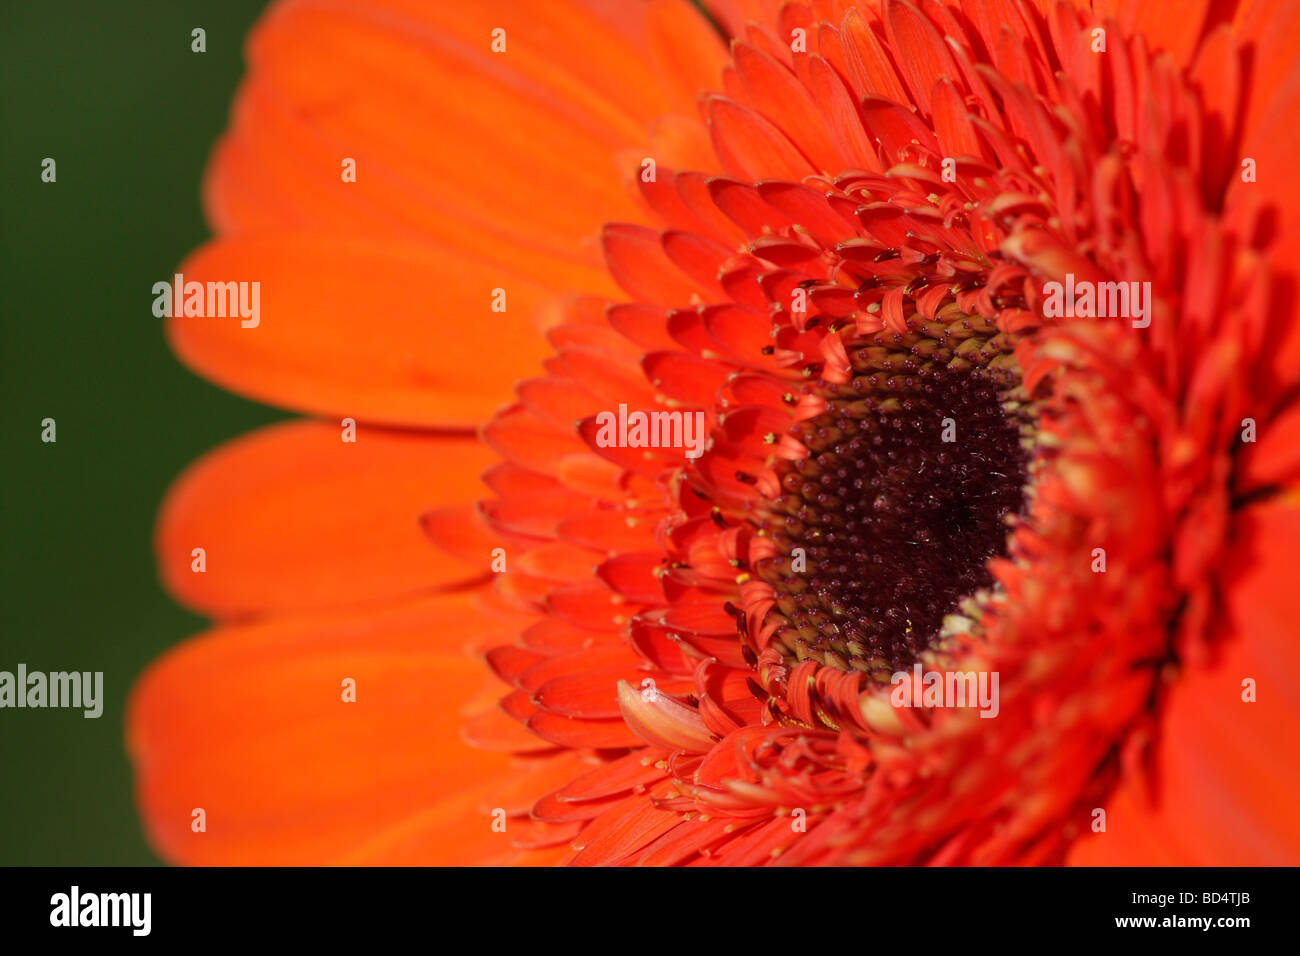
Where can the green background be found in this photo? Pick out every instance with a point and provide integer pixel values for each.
(113, 93)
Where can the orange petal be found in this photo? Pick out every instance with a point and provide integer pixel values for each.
(461, 531)
(622, 830)
(1227, 772)
(399, 333)
(1274, 458)
(750, 146)
(292, 517)
(403, 74)
(588, 734)
(1269, 207)
(249, 724)
(661, 720)
(734, 14)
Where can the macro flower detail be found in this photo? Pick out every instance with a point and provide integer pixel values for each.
(844, 254)
(899, 524)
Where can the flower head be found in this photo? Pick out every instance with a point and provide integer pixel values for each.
(979, 306)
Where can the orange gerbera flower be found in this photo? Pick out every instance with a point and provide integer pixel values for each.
(914, 347)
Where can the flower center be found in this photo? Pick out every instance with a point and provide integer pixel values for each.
(887, 526)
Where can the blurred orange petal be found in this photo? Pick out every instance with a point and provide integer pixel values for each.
(297, 775)
(292, 517)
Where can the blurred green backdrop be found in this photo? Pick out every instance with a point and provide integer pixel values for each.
(113, 93)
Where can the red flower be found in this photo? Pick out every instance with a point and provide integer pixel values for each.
(991, 330)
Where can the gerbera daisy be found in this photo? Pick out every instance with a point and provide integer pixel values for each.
(987, 311)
